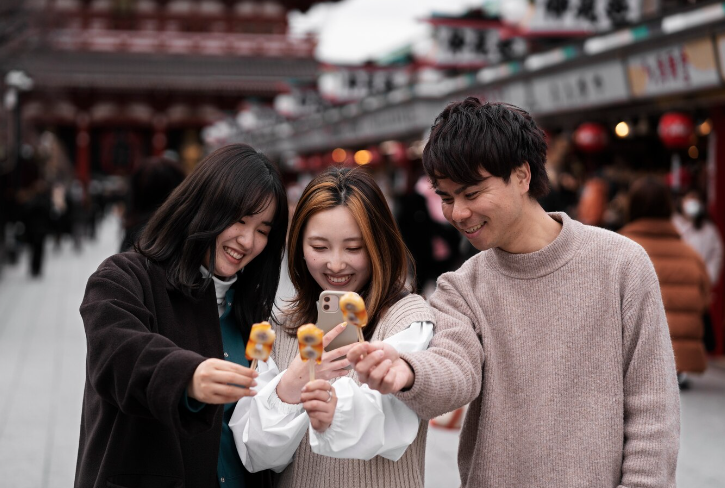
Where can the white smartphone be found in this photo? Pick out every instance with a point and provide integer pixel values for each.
(329, 315)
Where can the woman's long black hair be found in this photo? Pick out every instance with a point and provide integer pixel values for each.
(230, 183)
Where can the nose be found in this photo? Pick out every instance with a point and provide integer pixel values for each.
(336, 263)
(460, 212)
(245, 239)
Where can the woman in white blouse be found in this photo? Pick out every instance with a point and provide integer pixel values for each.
(342, 237)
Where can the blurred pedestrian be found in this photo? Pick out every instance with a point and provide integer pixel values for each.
(555, 331)
(34, 200)
(434, 244)
(166, 327)
(697, 229)
(682, 274)
(150, 184)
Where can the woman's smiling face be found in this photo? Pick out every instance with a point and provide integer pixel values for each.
(241, 242)
(335, 252)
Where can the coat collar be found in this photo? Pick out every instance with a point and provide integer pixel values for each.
(651, 227)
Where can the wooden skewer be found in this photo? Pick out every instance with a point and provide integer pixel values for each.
(311, 365)
(360, 337)
(253, 367)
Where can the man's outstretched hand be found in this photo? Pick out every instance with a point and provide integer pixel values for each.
(379, 365)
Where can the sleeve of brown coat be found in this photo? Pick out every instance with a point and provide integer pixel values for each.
(142, 373)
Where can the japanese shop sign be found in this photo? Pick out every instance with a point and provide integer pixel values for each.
(673, 69)
(587, 86)
(584, 15)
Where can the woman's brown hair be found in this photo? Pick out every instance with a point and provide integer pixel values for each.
(389, 257)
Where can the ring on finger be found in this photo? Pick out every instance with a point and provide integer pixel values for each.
(329, 396)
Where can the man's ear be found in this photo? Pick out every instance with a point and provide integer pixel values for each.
(522, 175)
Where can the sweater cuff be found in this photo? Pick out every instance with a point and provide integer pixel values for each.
(422, 370)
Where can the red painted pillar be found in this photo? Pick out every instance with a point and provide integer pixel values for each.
(716, 196)
(159, 140)
(83, 149)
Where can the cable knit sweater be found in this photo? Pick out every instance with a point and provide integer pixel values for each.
(566, 357)
(310, 470)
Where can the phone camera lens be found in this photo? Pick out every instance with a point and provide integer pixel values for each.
(326, 307)
(327, 299)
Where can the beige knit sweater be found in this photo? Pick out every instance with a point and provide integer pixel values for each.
(310, 470)
(566, 357)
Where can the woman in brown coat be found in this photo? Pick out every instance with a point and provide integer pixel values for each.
(681, 271)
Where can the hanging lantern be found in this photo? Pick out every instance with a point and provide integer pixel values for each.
(675, 130)
(591, 137)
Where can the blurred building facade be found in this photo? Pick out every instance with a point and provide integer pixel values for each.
(119, 80)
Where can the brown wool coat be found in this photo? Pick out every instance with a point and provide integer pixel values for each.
(684, 284)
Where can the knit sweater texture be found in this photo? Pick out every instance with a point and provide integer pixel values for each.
(565, 356)
(310, 470)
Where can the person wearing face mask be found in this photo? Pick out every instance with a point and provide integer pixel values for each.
(166, 326)
(697, 230)
(342, 237)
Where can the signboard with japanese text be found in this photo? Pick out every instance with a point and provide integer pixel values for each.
(588, 86)
(583, 15)
(676, 68)
(454, 45)
(348, 84)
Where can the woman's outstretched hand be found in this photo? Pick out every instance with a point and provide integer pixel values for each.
(297, 374)
(319, 400)
(216, 381)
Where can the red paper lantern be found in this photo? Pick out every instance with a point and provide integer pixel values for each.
(675, 130)
(591, 137)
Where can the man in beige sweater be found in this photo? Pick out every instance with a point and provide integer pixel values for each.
(555, 332)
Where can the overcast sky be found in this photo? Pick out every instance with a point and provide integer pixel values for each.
(354, 31)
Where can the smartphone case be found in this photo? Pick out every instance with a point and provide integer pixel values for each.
(328, 319)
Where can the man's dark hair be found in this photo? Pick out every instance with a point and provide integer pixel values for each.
(227, 185)
(469, 136)
(649, 198)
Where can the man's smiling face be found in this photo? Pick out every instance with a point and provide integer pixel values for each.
(487, 213)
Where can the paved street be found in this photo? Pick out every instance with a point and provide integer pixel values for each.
(42, 355)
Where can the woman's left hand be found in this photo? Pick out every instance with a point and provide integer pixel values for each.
(319, 400)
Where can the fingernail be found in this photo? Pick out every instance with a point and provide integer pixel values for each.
(344, 324)
(304, 388)
(379, 354)
(254, 383)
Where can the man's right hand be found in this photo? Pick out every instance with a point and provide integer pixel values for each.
(380, 366)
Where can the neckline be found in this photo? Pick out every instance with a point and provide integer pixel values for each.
(220, 286)
(547, 259)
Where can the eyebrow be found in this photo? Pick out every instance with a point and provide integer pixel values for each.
(461, 189)
(320, 238)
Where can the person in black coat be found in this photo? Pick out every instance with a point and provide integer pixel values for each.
(166, 327)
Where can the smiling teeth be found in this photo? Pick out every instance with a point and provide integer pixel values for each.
(473, 229)
(233, 254)
(338, 280)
